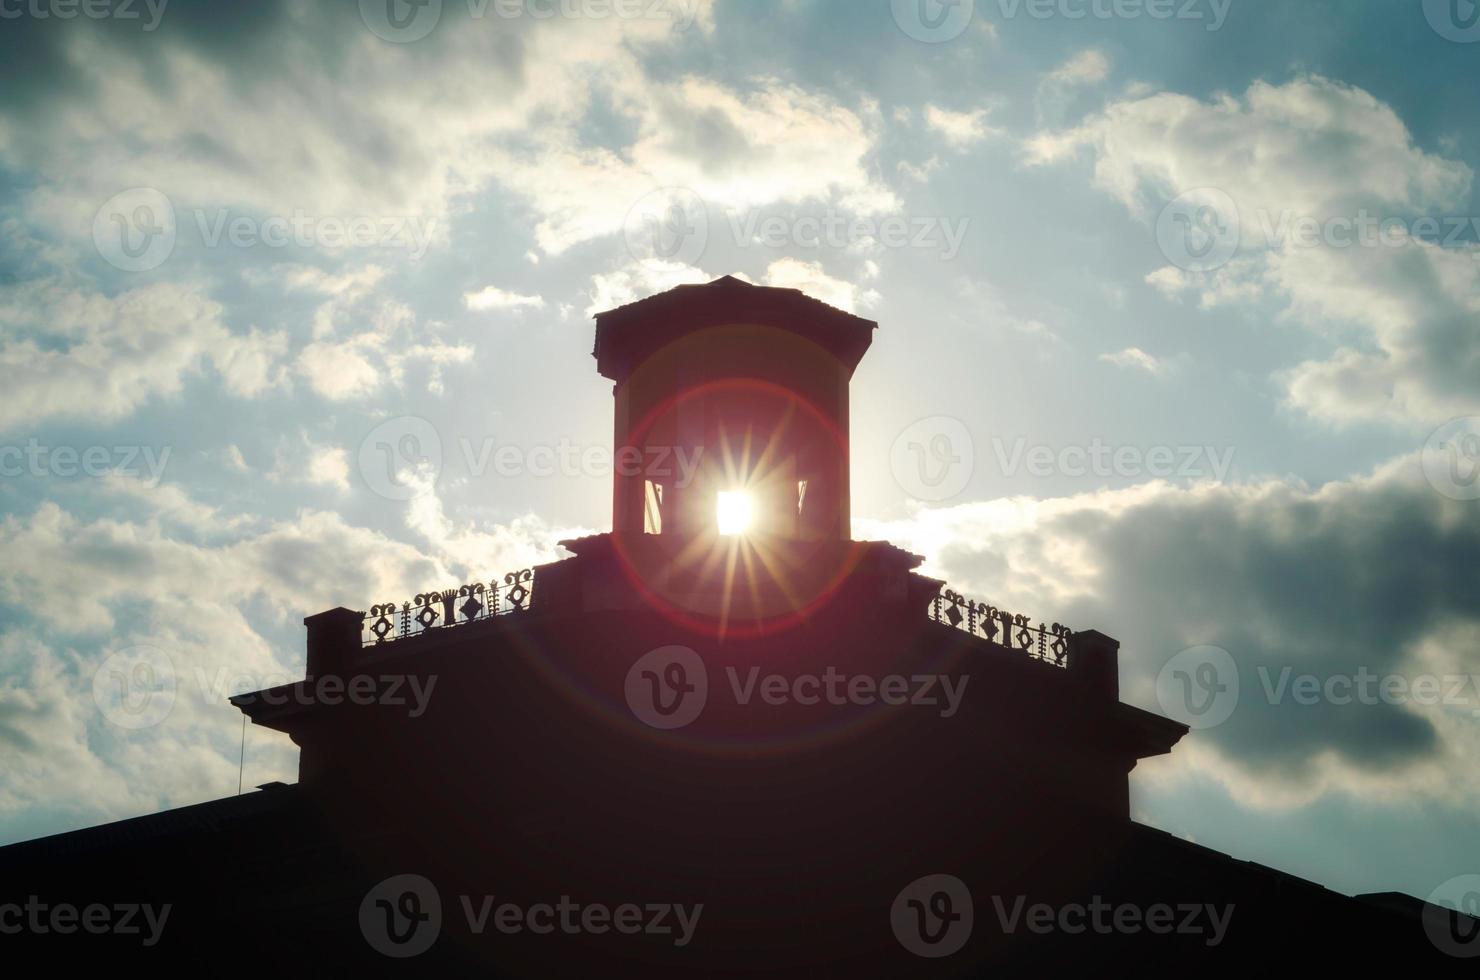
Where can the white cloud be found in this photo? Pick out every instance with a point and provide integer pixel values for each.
(1360, 574)
(1085, 68)
(1137, 359)
(1399, 316)
(471, 550)
(346, 362)
(326, 119)
(1071, 85)
(303, 461)
(234, 460)
(813, 280)
(74, 354)
(775, 143)
(919, 173)
(960, 129)
(637, 280)
(493, 298)
(329, 466)
(215, 607)
(1276, 148)
(985, 305)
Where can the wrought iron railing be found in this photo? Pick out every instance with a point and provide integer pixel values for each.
(1047, 643)
(473, 603)
(449, 608)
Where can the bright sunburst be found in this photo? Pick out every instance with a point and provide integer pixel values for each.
(735, 512)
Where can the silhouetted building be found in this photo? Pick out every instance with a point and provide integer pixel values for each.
(725, 738)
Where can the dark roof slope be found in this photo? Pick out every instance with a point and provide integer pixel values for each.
(211, 817)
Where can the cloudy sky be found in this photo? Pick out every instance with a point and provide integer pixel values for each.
(1179, 298)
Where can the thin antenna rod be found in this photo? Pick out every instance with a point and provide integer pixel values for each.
(243, 763)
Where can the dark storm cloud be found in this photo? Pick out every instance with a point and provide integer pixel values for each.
(33, 49)
(1323, 583)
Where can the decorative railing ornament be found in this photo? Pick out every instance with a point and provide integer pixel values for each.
(1013, 632)
(388, 621)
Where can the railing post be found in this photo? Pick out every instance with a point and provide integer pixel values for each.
(1094, 660)
(333, 640)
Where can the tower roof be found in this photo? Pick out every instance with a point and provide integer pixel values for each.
(628, 334)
